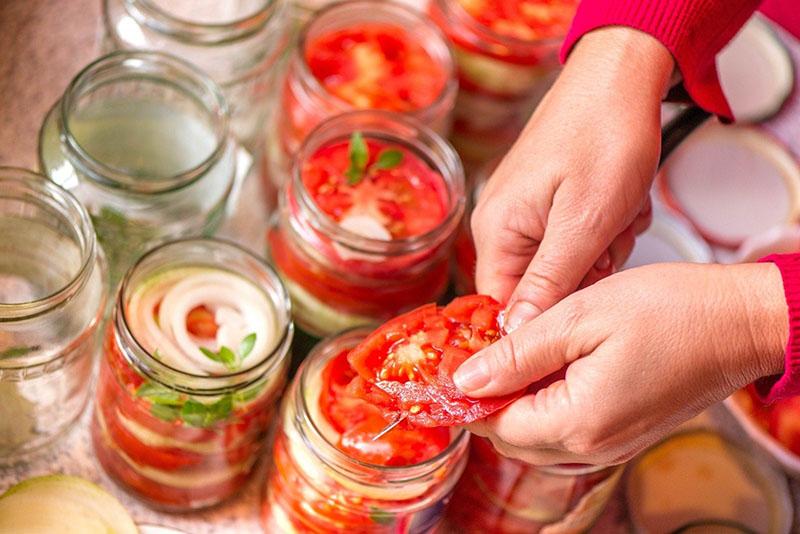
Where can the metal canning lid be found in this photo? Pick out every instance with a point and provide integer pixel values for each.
(670, 238)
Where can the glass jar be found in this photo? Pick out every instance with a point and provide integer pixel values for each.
(339, 278)
(238, 44)
(306, 101)
(52, 294)
(180, 438)
(502, 76)
(498, 494)
(142, 140)
(315, 487)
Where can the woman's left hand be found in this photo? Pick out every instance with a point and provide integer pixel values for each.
(642, 351)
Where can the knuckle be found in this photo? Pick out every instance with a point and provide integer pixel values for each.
(548, 281)
(505, 358)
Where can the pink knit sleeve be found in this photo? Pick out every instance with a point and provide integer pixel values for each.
(777, 387)
(694, 31)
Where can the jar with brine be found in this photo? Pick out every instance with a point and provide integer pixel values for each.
(238, 43)
(195, 358)
(142, 140)
(329, 474)
(52, 296)
(506, 496)
(367, 54)
(507, 57)
(367, 220)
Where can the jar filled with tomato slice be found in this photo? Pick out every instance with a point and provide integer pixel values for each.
(507, 57)
(367, 219)
(367, 54)
(328, 475)
(506, 496)
(195, 357)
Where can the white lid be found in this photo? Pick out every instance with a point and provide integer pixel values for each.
(731, 182)
(669, 239)
(756, 72)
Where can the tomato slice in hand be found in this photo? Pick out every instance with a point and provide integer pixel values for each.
(412, 358)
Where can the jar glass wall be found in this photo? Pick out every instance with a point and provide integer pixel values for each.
(366, 54)
(348, 253)
(175, 422)
(52, 295)
(498, 494)
(507, 61)
(142, 140)
(315, 487)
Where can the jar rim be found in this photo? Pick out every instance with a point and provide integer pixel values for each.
(155, 67)
(148, 13)
(67, 206)
(385, 125)
(443, 55)
(453, 9)
(334, 457)
(155, 369)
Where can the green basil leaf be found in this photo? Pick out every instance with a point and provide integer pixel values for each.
(228, 357)
(15, 352)
(166, 413)
(248, 394)
(201, 415)
(246, 346)
(158, 394)
(388, 159)
(379, 516)
(359, 156)
(211, 355)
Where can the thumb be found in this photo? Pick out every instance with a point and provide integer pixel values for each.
(572, 244)
(533, 351)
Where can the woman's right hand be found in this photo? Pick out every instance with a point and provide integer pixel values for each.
(565, 203)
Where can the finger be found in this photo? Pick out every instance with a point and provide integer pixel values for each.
(533, 351)
(573, 241)
(645, 217)
(621, 248)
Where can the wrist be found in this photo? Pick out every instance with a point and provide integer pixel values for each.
(763, 318)
(624, 60)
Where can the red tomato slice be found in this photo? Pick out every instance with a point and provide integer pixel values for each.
(412, 358)
(351, 406)
(200, 322)
(408, 199)
(527, 20)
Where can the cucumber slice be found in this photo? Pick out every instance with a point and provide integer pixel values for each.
(315, 317)
(64, 504)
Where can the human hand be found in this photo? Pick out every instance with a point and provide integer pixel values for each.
(573, 190)
(643, 350)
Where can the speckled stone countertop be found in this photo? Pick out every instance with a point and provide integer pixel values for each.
(43, 43)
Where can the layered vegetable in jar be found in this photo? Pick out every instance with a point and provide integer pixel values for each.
(195, 357)
(329, 475)
(366, 221)
(507, 57)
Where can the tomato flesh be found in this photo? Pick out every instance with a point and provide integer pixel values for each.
(376, 66)
(526, 20)
(412, 358)
(350, 404)
(407, 200)
(200, 322)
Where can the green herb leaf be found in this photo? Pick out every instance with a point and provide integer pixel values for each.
(201, 415)
(166, 413)
(359, 156)
(15, 352)
(379, 516)
(225, 356)
(388, 159)
(246, 346)
(158, 394)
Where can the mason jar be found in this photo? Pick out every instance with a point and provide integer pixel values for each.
(141, 138)
(315, 486)
(357, 270)
(506, 63)
(366, 54)
(175, 422)
(52, 296)
(506, 496)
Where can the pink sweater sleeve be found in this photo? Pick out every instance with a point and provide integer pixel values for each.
(694, 31)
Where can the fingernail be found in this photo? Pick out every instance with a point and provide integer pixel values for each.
(604, 262)
(471, 375)
(520, 313)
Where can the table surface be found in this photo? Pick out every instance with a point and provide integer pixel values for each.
(43, 43)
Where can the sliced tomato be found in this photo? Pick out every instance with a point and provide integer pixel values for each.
(527, 20)
(376, 66)
(351, 405)
(200, 322)
(407, 200)
(412, 358)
